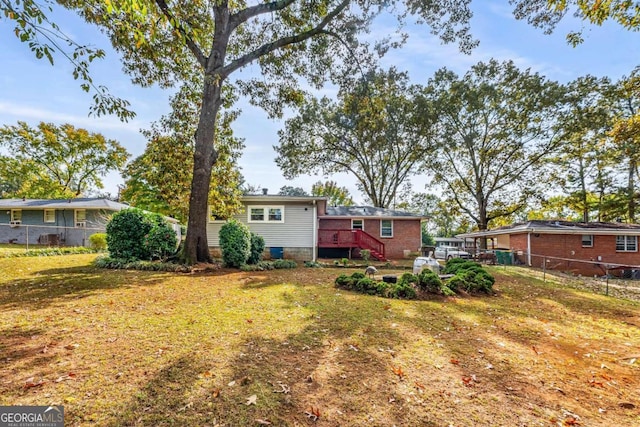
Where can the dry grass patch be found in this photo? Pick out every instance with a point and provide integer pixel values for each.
(284, 347)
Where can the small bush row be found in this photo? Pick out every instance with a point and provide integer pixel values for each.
(123, 264)
(468, 276)
(269, 265)
(49, 252)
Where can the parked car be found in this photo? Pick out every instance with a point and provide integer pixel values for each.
(424, 262)
(448, 252)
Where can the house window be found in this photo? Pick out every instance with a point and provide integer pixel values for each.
(386, 228)
(587, 240)
(357, 224)
(627, 243)
(16, 216)
(81, 217)
(266, 214)
(49, 215)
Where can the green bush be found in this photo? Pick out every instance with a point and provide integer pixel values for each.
(343, 281)
(256, 250)
(133, 234)
(358, 275)
(403, 291)
(365, 254)
(161, 241)
(456, 264)
(98, 241)
(366, 286)
(471, 280)
(429, 281)
(235, 243)
(408, 278)
(119, 263)
(284, 263)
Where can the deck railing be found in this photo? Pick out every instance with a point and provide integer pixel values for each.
(349, 239)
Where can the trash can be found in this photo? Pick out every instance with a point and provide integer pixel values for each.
(276, 252)
(504, 257)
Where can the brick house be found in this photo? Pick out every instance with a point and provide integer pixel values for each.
(388, 234)
(592, 248)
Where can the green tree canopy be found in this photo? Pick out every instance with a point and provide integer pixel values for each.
(375, 132)
(57, 161)
(496, 124)
(338, 196)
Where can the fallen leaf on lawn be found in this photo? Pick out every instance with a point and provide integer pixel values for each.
(231, 383)
(571, 421)
(207, 374)
(606, 377)
(313, 413)
(535, 349)
(386, 306)
(216, 393)
(69, 376)
(283, 388)
(420, 385)
(454, 361)
(249, 320)
(594, 383)
(251, 400)
(71, 346)
(398, 371)
(468, 381)
(263, 422)
(30, 383)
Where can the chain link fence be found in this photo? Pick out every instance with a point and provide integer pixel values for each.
(44, 235)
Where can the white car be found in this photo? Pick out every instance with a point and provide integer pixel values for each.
(448, 252)
(424, 262)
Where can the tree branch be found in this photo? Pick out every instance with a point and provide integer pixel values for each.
(191, 44)
(284, 41)
(250, 12)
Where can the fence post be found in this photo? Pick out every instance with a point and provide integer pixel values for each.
(607, 288)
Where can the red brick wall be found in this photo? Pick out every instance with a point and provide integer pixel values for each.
(406, 234)
(570, 247)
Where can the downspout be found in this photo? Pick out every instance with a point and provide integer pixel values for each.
(529, 249)
(316, 225)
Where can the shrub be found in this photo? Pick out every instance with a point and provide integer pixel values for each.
(429, 281)
(115, 263)
(284, 263)
(472, 280)
(365, 254)
(98, 241)
(403, 291)
(358, 275)
(407, 278)
(312, 264)
(343, 281)
(366, 285)
(256, 250)
(235, 243)
(456, 264)
(133, 234)
(161, 241)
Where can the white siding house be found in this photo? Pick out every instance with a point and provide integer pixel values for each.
(288, 224)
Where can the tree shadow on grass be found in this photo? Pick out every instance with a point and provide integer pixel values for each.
(53, 285)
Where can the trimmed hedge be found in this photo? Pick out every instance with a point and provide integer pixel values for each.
(235, 243)
(133, 234)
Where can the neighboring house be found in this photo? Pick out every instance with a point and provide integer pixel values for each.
(591, 248)
(387, 233)
(288, 225)
(67, 222)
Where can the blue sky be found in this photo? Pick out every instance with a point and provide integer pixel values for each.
(34, 91)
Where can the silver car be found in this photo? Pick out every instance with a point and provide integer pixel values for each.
(448, 252)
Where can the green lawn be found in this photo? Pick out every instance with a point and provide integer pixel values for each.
(280, 347)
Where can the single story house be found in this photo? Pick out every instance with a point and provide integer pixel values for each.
(67, 222)
(587, 248)
(386, 233)
(288, 225)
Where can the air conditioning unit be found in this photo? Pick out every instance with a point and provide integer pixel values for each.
(81, 224)
(15, 223)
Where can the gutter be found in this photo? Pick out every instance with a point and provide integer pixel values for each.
(316, 225)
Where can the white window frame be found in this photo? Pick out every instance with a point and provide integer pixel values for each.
(628, 243)
(80, 217)
(381, 228)
(266, 214)
(587, 243)
(16, 216)
(49, 216)
(353, 227)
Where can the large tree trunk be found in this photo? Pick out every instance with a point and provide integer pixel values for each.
(196, 248)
